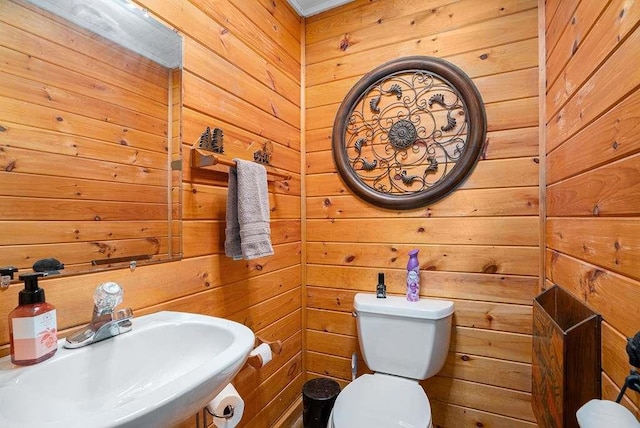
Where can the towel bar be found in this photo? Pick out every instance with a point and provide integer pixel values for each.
(204, 159)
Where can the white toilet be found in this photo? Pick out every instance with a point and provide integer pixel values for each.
(402, 342)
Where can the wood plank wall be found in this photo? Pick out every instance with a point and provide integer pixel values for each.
(593, 165)
(241, 73)
(478, 247)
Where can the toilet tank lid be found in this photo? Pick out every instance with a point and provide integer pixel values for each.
(400, 306)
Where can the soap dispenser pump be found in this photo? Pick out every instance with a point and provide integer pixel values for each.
(33, 328)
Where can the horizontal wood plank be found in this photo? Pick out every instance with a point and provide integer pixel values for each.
(453, 258)
(519, 201)
(611, 243)
(575, 115)
(447, 415)
(471, 230)
(518, 172)
(614, 26)
(208, 237)
(609, 294)
(611, 137)
(483, 397)
(606, 191)
(485, 287)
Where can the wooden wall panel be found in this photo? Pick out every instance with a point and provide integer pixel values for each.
(592, 167)
(241, 72)
(478, 246)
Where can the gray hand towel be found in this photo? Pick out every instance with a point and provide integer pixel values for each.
(248, 231)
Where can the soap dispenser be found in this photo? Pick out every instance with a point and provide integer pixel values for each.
(33, 328)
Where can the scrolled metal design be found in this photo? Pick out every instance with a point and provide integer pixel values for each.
(409, 132)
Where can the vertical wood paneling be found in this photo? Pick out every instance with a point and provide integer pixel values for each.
(241, 72)
(592, 172)
(473, 244)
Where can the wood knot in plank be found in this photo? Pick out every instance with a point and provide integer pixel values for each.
(10, 166)
(292, 370)
(345, 42)
(574, 48)
(490, 268)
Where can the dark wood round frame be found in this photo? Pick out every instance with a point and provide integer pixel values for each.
(476, 120)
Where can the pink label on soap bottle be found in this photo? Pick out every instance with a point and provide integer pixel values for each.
(34, 337)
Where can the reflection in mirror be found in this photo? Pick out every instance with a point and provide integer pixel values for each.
(89, 131)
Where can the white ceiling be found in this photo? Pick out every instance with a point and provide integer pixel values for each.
(311, 7)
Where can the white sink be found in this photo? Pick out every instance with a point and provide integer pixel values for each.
(166, 369)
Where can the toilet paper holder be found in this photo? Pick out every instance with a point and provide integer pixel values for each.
(228, 413)
(256, 361)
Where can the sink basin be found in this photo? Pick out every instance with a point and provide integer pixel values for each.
(163, 371)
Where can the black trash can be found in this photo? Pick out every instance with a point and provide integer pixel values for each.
(318, 396)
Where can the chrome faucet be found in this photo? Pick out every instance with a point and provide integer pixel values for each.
(105, 322)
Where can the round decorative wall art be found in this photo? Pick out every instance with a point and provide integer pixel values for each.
(409, 132)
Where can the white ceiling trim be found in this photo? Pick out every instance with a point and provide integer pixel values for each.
(311, 7)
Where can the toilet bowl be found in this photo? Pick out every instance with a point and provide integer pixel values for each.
(379, 400)
(402, 343)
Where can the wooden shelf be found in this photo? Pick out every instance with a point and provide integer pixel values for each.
(204, 159)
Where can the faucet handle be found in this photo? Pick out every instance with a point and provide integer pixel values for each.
(107, 296)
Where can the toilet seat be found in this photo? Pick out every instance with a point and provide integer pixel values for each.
(382, 401)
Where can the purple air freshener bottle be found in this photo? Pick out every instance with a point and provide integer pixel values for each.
(413, 277)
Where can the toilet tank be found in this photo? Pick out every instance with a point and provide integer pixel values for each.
(402, 338)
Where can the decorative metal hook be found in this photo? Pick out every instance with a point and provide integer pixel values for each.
(263, 155)
(212, 141)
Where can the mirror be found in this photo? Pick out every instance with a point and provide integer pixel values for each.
(89, 135)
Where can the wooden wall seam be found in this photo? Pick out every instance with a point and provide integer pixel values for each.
(303, 186)
(542, 79)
